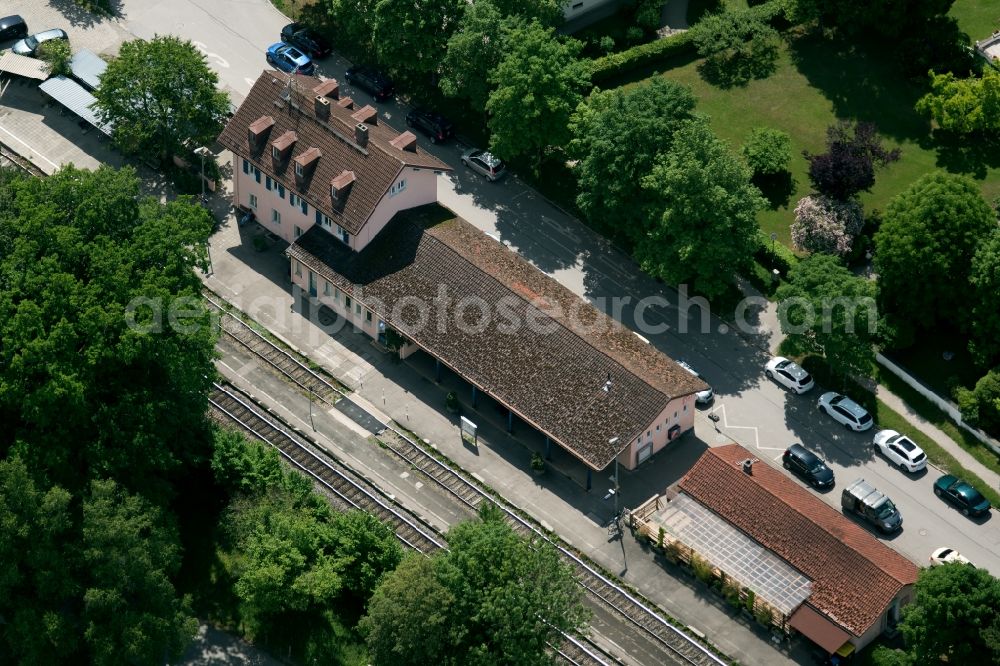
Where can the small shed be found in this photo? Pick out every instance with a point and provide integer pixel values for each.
(74, 97)
(87, 68)
(19, 65)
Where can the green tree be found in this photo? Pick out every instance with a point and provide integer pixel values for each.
(984, 278)
(57, 54)
(94, 379)
(617, 136)
(131, 612)
(410, 617)
(497, 598)
(353, 24)
(954, 606)
(161, 97)
(537, 86)
(366, 549)
(825, 309)
(964, 105)
(410, 38)
(981, 406)
(767, 151)
(923, 251)
(548, 12)
(706, 229)
(244, 467)
(738, 46)
(38, 587)
(474, 51)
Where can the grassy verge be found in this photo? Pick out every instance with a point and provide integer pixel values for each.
(888, 418)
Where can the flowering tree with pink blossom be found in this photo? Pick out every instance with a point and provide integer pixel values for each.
(826, 225)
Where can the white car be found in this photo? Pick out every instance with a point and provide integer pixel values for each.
(845, 411)
(701, 397)
(948, 556)
(789, 374)
(900, 450)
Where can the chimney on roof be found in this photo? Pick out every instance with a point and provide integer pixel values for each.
(346, 103)
(257, 133)
(340, 187)
(406, 141)
(321, 105)
(748, 466)
(329, 89)
(361, 135)
(367, 115)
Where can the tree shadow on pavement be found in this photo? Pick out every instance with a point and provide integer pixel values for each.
(80, 16)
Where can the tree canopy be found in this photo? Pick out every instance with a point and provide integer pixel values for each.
(617, 136)
(706, 225)
(537, 85)
(953, 616)
(738, 46)
(767, 151)
(923, 250)
(826, 225)
(984, 278)
(825, 309)
(964, 105)
(162, 98)
(847, 168)
(493, 597)
(474, 51)
(410, 38)
(94, 379)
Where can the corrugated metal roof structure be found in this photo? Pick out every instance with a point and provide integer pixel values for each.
(74, 97)
(87, 68)
(31, 68)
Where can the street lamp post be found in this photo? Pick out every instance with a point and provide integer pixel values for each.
(774, 237)
(612, 442)
(202, 152)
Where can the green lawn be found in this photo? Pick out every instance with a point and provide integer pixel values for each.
(815, 84)
(977, 18)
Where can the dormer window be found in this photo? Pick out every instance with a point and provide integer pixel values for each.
(275, 152)
(298, 169)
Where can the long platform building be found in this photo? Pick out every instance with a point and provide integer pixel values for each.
(357, 203)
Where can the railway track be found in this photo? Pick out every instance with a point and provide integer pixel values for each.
(347, 489)
(633, 611)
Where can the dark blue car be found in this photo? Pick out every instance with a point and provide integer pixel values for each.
(287, 58)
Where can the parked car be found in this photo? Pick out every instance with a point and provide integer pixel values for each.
(964, 496)
(12, 27)
(487, 164)
(873, 506)
(900, 450)
(845, 411)
(287, 58)
(948, 556)
(29, 45)
(701, 397)
(372, 81)
(306, 40)
(434, 125)
(808, 465)
(789, 374)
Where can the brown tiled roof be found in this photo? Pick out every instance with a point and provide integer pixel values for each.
(285, 140)
(855, 576)
(553, 374)
(376, 166)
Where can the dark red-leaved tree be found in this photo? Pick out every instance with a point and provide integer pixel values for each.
(848, 165)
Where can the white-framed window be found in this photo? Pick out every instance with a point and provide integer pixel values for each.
(298, 232)
(275, 216)
(298, 268)
(357, 308)
(268, 183)
(253, 201)
(336, 294)
(298, 168)
(275, 153)
(326, 288)
(397, 188)
(657, 427)
(368, 316)
(293, 199)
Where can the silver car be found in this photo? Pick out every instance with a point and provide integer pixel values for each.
(484, 163)
(701, 397)
(29, 45)
(845, 411)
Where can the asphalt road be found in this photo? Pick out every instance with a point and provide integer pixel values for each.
(753, 411)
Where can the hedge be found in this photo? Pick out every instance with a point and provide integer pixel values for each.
(779, 257)
(643, 55)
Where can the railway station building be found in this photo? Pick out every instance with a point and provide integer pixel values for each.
(357, 203)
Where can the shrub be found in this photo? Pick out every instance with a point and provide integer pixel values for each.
(451, 402)
(767, 151)
(731, 591)
(703, 570)
(616, 64)
(606, 44)
(825, 225)
(673, 552)
(537, 462)
(981, 406)
(750, 600)
(634, 34)
(764, 615)
(848, 166)
(57, 54)
(738, 46)
(773, 254)
(659, 537)
(648, 13)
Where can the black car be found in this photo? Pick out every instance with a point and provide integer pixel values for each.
(808, 465)
(306, 39)
(12, 27)
(372, 81)
(434, 125)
